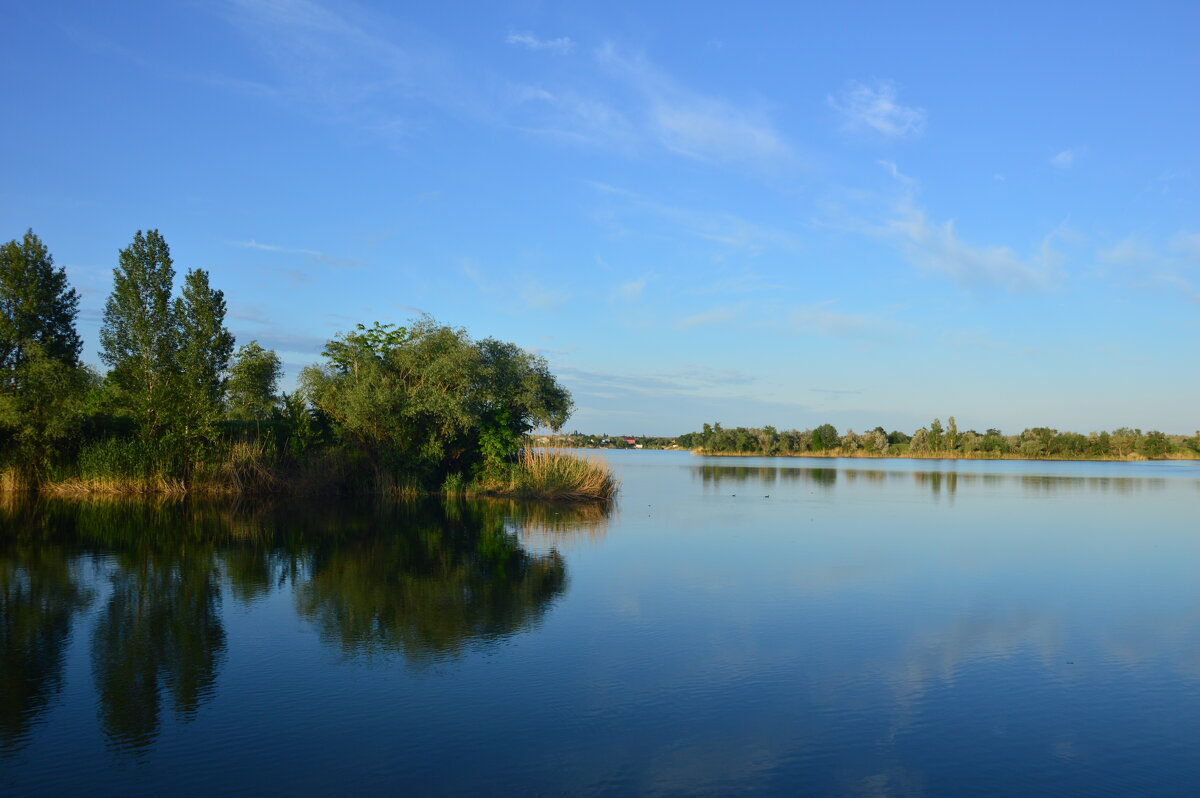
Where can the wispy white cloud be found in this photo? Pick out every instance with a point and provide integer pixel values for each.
(632, 290)
(711, 130)
(538, 296)
(281, 338)
(529, 293)
(481, 281)
(895, 172)
(567, 116)
(365, 69)
(1178, 285)
(821, 319)
(692, 124)
(722, 314)
(1187, 244)
(314, 256)
(744, 282)
(251, 313)
(720, 227)
(561, 45)
(1064, 159)
(875, 108)
(252, 244)
(690, 380)
(352, 65)
(1129, 252)
(936, 248)
(836, 392)
(1168, 268)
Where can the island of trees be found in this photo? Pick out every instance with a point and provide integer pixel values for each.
(391, 409)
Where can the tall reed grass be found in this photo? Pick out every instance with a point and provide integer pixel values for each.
(550, 474)
(248, 467)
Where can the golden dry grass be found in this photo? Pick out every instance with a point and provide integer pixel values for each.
(551, 474)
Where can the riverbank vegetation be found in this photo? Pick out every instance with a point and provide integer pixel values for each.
(390, 409)
(938, 441)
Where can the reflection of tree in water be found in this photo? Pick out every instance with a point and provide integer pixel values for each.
(424, 579)
(937, 480)
(159, 632)
(428, 583)
(40, 593)
(714, 475)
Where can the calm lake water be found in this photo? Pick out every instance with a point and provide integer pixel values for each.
(776, 626)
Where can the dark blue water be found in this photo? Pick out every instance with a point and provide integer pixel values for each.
(772, 626)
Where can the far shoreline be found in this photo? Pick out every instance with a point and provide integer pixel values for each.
(836, 455)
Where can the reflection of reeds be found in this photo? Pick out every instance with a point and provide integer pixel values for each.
(539, 525)
(549, 525)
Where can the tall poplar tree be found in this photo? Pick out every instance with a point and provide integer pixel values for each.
(139, 336)
(204, 349)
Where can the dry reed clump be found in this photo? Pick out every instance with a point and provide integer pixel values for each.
(114, 486)
(551, 474)
(248, 468)
(11, 481)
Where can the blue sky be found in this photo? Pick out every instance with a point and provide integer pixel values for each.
(759, 213)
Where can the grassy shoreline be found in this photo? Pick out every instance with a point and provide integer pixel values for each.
(534, 475)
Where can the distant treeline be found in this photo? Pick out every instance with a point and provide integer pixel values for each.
(937, 440)
(417, 408)
(580, 440)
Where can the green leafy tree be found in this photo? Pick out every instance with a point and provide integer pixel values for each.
(1123, 441)
(952, 438)
(935, 435)
(139, 336)
(253, 387)
(1154, 444)
(41, 382)
(1098, 444)
(514, 392)
(41, 417)
(427, 399)
(824, 437)
(37, 306)
(301, 431)
(204, 349)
